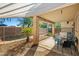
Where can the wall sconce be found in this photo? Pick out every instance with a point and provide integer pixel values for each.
(67, 22)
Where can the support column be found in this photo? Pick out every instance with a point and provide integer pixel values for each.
(35, 30)
(53, 30)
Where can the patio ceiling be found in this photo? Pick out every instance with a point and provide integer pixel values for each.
(66, 13)
(26, 9)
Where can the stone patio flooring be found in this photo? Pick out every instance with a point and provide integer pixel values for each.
(45, 47)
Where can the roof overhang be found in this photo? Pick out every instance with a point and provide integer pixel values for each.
(28, 9)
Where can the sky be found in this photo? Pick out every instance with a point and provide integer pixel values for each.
(13, 22)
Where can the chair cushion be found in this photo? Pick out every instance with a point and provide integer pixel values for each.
(68, 44)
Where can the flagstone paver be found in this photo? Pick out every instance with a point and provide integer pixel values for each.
(45, 47)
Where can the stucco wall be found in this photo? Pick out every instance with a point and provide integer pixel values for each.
(77, 27)
(66, 27)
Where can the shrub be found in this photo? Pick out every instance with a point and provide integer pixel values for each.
(27, 32)
(49, 34)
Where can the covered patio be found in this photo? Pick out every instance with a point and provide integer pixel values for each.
(64, 13)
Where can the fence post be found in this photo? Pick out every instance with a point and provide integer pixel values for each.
(3, 33)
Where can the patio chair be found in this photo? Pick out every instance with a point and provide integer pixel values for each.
(58, 40)
(70, 42)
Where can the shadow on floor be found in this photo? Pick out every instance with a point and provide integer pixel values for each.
(53, 53)
(14, 51)
(32, 50)
(58, 52)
